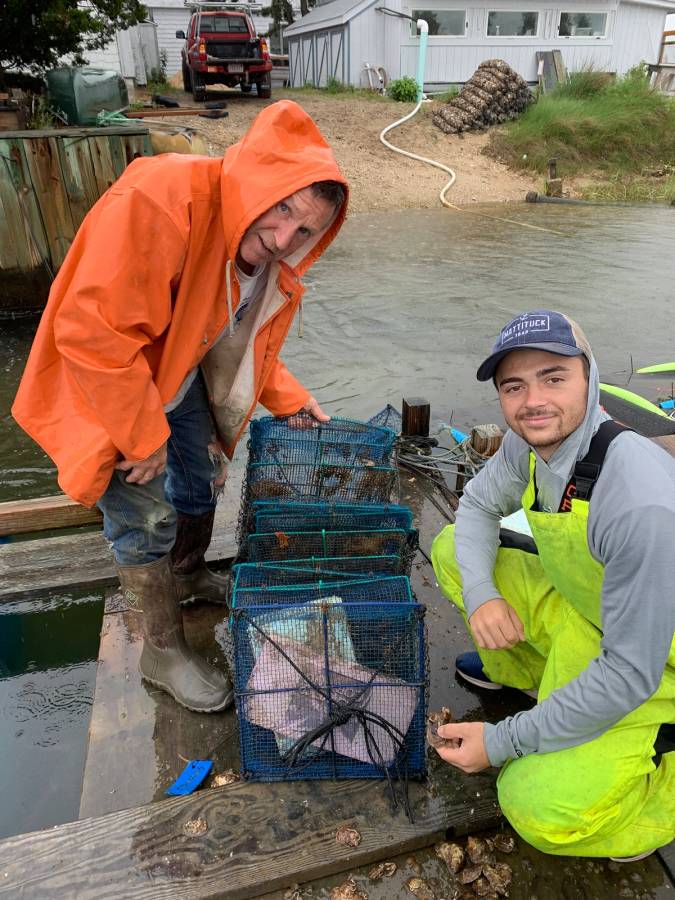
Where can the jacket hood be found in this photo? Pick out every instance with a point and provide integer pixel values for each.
(575, 447)
(282, 152)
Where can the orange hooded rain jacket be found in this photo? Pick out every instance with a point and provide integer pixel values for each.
(141, 297)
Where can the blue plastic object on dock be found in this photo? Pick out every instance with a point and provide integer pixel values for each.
(190, 778)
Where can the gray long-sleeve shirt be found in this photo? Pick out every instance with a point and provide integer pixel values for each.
(631, 532)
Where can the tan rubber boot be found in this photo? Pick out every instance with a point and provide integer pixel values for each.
(194, 580)
(166, 661)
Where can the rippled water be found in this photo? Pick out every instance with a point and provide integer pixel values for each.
(47, 674)
(408, 303)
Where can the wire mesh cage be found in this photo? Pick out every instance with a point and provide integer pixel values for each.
(301, 438)
(279, 545)
(320, 482)
(289, 516)
(389, 417)
(313, 570)
(330, 681)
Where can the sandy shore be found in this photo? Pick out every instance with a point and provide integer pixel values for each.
(380, 179)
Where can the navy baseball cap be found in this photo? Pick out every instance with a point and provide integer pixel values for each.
(539, 329)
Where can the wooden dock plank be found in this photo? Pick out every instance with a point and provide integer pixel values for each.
(45, 514)
(132, 720)
(58, 563)
(259, 838)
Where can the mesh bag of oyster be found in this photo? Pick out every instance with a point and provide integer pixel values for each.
(330, 679)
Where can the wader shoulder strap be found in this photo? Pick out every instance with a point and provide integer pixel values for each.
(587, 470)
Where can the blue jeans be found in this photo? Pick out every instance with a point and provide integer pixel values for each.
(139, 520)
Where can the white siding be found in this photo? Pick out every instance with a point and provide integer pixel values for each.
(366, 42)
(633, 34)
(108, 58)
(169, 20)
(638, 36)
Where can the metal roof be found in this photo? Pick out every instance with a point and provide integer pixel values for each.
(328, 15)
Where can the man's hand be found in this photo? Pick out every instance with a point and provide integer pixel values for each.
(313, 408)
(467, 751)
(496, 626)
(144, 470)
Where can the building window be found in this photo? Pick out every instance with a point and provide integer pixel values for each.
(582, 24)
(512, 24)
(441, 21)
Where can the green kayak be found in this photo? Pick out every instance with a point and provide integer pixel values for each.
(635, 399)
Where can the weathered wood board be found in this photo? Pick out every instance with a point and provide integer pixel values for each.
(132, 720)
(58, 563)
(49, 179)
(45, 514)
(259, 837)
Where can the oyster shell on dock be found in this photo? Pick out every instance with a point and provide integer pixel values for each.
(347, 836)
(505, 843)
(348, 890)
(195, 827)
(451, 854)
(420, 888)
(381, 870)
(229, 776)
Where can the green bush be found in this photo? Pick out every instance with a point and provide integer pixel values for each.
(403, 89)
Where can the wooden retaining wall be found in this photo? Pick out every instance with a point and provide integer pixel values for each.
(49, 180)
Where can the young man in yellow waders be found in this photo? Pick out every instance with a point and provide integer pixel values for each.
(586, 617)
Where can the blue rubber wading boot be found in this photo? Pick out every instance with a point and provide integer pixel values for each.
(167, 662)
(194, 580)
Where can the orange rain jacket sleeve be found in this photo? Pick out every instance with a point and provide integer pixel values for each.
(141, 297)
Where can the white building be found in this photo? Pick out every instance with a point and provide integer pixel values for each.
(337, 38)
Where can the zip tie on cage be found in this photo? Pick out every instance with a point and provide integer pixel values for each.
(344, 712)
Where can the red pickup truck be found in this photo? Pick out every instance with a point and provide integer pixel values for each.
(221, 47)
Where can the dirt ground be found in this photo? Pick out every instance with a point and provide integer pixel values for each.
(379, 178)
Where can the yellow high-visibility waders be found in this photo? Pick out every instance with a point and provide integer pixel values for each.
(604, 797)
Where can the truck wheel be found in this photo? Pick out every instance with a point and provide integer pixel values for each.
(187, 81)
(264, 87)
(198, 88)
(245, 88)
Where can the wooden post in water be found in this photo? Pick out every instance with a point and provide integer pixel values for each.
(416, 414)
(485, 440)
(553, 184)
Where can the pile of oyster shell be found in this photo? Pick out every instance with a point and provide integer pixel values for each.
(477, 869)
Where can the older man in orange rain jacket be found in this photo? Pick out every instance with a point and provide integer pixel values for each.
(162, 329)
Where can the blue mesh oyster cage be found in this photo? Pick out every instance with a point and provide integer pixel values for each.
(301, 438)
(329, 482)
(279, 545)
(330, 680)
(284, 515)
(319, 570)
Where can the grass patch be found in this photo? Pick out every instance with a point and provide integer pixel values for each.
(624, 189)
(594, 124)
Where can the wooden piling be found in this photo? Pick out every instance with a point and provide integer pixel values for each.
(416, 414)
